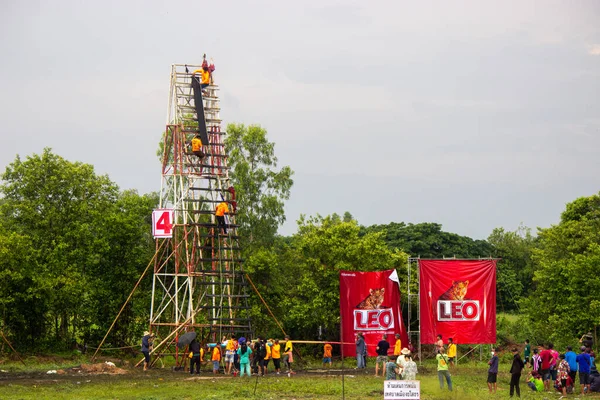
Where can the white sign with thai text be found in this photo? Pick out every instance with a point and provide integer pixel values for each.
(401, 390)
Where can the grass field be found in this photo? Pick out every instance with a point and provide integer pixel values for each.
(32, 382)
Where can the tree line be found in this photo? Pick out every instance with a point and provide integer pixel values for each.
(72, 246)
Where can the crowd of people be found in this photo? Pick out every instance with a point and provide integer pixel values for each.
(546, 368)
(399, 365)
(233, 356)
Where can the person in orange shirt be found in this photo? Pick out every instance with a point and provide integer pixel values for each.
(197, 147)
(327, 354)
(276, 356)
(220, 212)
(216, 358)
(230, 349)
(397, 345)
(268, 355)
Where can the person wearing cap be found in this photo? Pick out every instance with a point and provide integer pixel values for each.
(515, 372)
(397, 345)
(147, 348)
(584, 362)
(451, 351)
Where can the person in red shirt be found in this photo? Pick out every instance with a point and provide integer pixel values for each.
(547, 358)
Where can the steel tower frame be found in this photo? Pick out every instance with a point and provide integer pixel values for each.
(198, 281)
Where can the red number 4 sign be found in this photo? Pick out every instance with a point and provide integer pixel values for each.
(162, 223)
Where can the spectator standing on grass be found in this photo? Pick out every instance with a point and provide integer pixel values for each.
(442, 369)
(439, 344)
(563, 373)
(410, 368)
(571, 358)
(584, 363)
(493, 372)
(216, 358)
(327, 354)
(527, 352)
(361, 350)
(401, 360)
(267, 357)
(553, 363)
(391, 369)
(147, 348)
(515, 372)
(536, 361)
(289, 353)
(382, 350)
(451, 351)
(397, 345)
(195, 359)
(230, 348)
(276, 355)
(244, 353)
(546, 356)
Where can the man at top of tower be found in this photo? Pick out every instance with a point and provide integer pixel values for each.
(205, 73)
(197, 147)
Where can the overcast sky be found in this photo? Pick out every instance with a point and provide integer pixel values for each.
(472, 114)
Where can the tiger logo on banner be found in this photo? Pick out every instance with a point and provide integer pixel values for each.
(458, 300)
(370, 304)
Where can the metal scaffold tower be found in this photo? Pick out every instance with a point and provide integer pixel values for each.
(198, 282)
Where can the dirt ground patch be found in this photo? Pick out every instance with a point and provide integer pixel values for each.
(99, 368)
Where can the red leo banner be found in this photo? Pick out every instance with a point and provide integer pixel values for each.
(458, 300)
(370, 304)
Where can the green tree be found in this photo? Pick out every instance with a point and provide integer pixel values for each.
(322, 248)
(69, 230)
(515, 268)
(427, 240)
(564, 301)
(261, 189)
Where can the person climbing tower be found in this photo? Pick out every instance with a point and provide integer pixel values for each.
(220, 212)
(233, 202)
(197, 147)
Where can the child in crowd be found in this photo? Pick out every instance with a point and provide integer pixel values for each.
(216, 358)
(327, 354)
(391, 368)
(535, 381)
